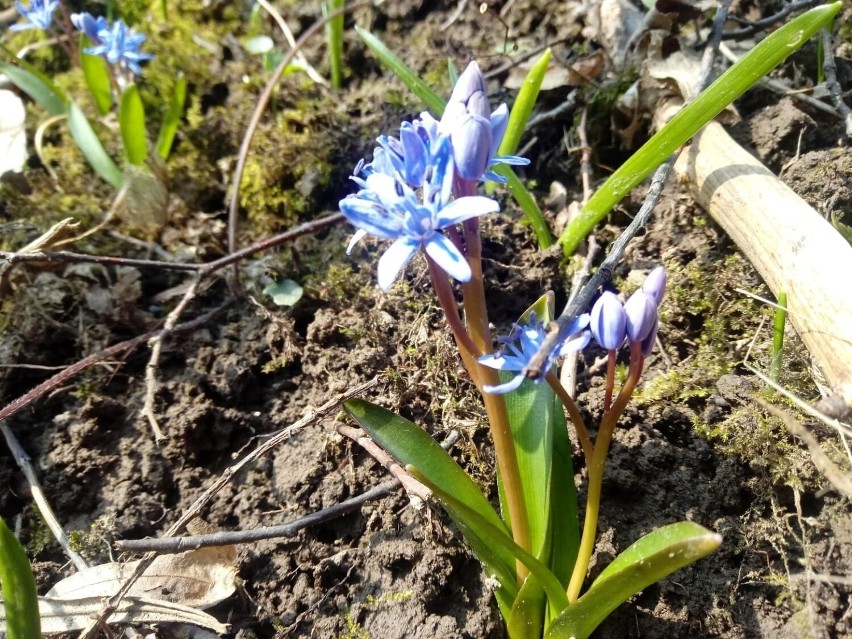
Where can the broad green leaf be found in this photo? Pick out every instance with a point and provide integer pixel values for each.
(523, 105)
(387, 57)
(655, 556)
(98, 79)
(565, 523)
(496, 537)
(92, 148)
(131, 121)
(768, 54)
(172, 119)
(20, 598)
(527, 618)
(38, 86)
(411, 445)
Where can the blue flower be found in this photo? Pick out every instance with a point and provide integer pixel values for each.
(39, 15)
(119, 44)
(609, 321)
(523, 342)
(641, 312)
(388, 207)
(476, 133)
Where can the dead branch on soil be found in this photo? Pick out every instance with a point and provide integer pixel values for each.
(312, 415)
(767, 23)
(23, 461)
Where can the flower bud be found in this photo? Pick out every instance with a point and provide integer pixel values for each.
(468, 83)
(650, 340)
(641, 312)
(608, 321)
(655, 284)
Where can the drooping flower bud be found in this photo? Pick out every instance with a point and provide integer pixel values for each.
(655, 284)
(608, 321)
(641, 312)
(650, 339)
(469, 83)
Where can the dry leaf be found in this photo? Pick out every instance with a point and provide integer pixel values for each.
(199, 578)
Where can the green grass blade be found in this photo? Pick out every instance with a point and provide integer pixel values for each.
(97, 75)
(432, 100)
(773, 50)
(647, 561)
(131, 122)
(172, 120)
(529, 206)
(779, 321)
(523, 106)
(334, 38)
(20, 598)
(38, 87)
(92, 148)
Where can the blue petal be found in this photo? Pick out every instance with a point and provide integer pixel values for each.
(499, 121)
(508, 387)
(394, 260)
(465, 208)
(448, 257)
(371, 217)
(471, 147)
(360, 233)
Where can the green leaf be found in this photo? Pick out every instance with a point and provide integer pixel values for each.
(771, 51)
(284, 293)
(655, 556)
(92, 148)
(20, 598)
(38, 86)
(523, 105)
(418, 87)
(98, 79)
(334, 38)
(526, 620)
(131, 121)
(495, 537)
(408, 443)
(565, 522)
(172, 119)
(528, 205)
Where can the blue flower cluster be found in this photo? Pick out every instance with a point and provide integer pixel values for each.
(411, 192)
(117, 43)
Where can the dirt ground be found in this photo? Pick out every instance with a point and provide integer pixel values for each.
(693, 445)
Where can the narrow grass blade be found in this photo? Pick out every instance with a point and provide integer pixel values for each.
(647, 561)
(92, 148)
(334, 38)
(172, 120)
(97, 75)
(20, 598)
(38, 87)
(773, 50)
(131, 121)
(523, 106)
(780, 320)
(418, 87)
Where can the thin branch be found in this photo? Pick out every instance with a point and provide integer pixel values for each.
(61, 378)
(193, 511)
(558, 330)
(166, 545)
(829, 67)
(766, 23)
(23, 461)
(66, 257)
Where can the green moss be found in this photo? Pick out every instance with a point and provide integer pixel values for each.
(353, 629)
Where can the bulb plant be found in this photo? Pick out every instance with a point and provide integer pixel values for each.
(110, 55)
(420, 190)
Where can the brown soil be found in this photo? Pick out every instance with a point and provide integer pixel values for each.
(685, 449)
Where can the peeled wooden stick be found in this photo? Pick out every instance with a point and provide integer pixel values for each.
(793, 248)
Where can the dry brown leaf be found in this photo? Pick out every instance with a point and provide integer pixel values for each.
(199, 578)
(67, 615)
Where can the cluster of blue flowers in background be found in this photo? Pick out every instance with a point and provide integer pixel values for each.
(117, 43)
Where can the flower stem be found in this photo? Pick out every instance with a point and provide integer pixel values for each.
(596, 473)
(574, 414)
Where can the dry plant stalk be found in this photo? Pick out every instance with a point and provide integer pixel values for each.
(793, 248)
